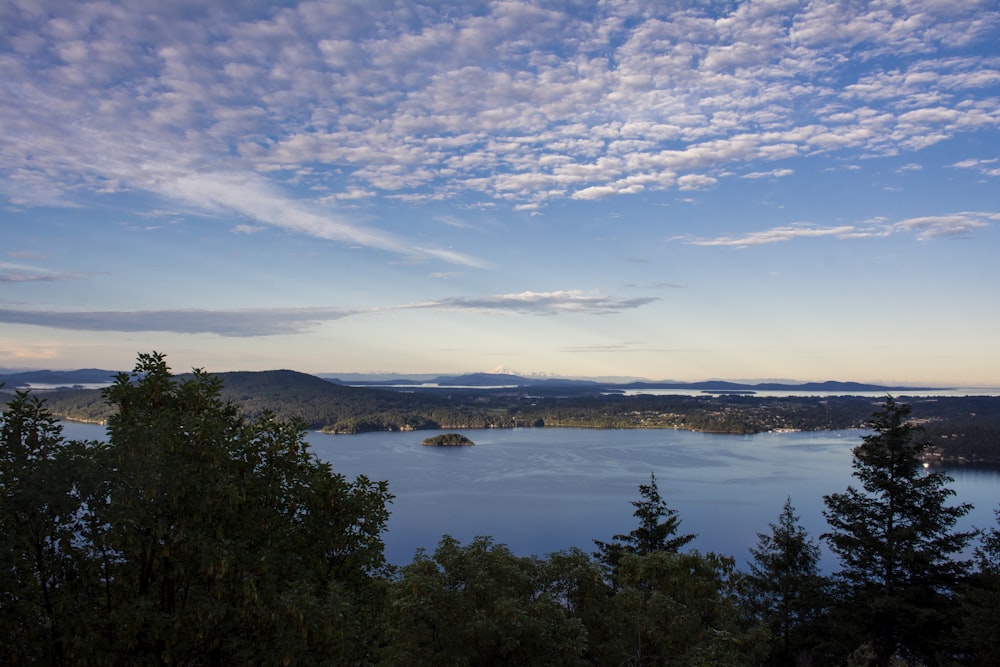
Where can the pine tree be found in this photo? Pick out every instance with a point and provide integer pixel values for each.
(896, 542)
(657, 529)
(785, 587)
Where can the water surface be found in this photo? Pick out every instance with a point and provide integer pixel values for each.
(543, 490)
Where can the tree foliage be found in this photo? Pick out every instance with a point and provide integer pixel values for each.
(784, 588)
(479, 604)
(657, 529)
(896, 541)
(193, 536)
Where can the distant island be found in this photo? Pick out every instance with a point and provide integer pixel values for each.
(447, 440)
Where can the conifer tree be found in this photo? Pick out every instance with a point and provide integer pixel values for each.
(785, 586)
(657, 529)
(896, 541)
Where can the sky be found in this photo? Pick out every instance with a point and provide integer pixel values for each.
(772, 189)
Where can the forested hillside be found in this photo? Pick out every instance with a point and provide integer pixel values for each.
(959, 428)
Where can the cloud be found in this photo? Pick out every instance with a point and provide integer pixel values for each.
(984, 167)
(957, 224)
(926, 227)
(787, 233)
(230, 323)
(695, 182)
(774, 173)
(253, 322)
(356, 101)
(23, 273)
(258, 200)
(540, 303)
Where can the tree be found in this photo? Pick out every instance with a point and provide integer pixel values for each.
(193, 536)
(657, 529)
(43, 576)
(981, 602)
(896, 542)
(785, 587)
(677, 609)
(479, 604)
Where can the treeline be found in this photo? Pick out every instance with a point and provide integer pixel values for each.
(197, 535)
(959, 428)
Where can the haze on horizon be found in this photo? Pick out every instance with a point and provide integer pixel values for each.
(666, 190)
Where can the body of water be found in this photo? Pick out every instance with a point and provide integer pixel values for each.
(543, 490)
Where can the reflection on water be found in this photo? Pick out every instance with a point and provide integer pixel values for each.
(543, 490)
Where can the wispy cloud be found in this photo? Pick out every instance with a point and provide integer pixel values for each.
(789, 233)
(925, 227)
(774, 173)
(253, 322)
(957, 224)
(24, 273)
(230, 323)
(540, 303)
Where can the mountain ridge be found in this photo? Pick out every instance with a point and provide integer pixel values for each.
(87, 376)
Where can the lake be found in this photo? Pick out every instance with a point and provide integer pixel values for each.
(543, 490)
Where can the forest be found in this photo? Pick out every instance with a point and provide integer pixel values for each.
(200, 534)
(960, 429)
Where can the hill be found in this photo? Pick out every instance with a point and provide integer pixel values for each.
(960, 428)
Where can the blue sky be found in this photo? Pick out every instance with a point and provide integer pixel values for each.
(670, 190)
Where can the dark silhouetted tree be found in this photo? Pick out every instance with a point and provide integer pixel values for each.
(785, 589)
(897, 544)
(657, 529)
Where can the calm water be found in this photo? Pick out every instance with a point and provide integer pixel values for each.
(542, 490)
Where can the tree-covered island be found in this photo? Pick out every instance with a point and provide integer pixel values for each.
(447, 440)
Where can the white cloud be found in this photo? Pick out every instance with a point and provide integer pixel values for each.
(787, 233)
(957, 224)
(926, 227)
(516, 102)
(774, 173)
(696, 182)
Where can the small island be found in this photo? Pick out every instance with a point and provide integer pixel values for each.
(447, 440)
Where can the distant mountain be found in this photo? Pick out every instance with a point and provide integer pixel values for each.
(83, 376)
(94, 376)
(830, 386)
(505, 379)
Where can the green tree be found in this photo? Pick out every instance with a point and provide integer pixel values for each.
(677, 609)
(981, 602)
(657, 529)
(785, 589)
(43, 575)
(193, 536)
(897, 543)
(480, 604)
